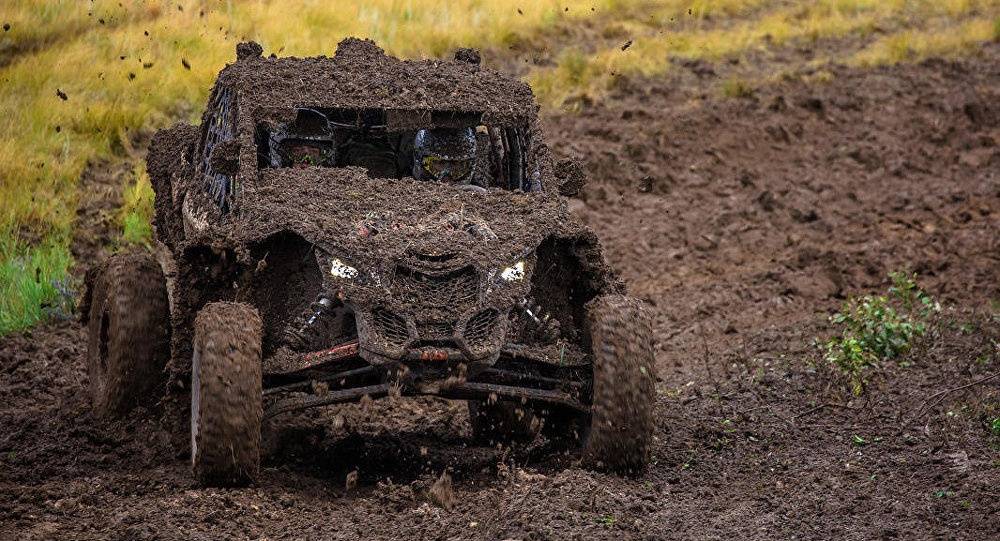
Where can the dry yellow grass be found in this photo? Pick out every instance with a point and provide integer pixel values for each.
(716, 29)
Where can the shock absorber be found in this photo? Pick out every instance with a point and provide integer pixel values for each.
(542, 324)
(302, 331)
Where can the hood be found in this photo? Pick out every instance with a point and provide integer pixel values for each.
(344, 211)
(414, 259)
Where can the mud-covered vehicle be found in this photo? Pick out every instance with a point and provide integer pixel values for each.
(360, 226)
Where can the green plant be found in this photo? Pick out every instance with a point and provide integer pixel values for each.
(878, 328)
(606, 520)
(33, 283)
(137, 208)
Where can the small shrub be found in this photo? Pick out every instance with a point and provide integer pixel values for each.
(137, 208)
(737, 88)
(878, 328)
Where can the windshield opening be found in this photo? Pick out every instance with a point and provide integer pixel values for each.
(452, 149)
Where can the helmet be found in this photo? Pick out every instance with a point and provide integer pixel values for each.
(308, 140)
(444, 154)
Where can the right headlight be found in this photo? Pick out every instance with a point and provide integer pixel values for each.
(340, 269)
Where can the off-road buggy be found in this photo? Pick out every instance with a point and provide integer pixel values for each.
(283, 281)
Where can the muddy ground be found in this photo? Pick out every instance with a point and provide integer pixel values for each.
(744, 222)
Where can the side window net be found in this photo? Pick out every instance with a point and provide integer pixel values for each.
(220, 126)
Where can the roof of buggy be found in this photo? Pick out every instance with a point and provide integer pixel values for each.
(361, 76)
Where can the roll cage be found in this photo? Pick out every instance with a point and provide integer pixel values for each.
(379, 140)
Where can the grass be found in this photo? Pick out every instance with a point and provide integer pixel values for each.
(137, 207)
(877, 328)
(79, 79)
(737, 88)
(714, 30)
(33, 283)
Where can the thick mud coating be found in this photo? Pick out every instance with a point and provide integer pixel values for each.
(621, 424)
(761, 216)
(361, 76)
(226, 407)
(128, 330)
(169, 152)
(226, 248)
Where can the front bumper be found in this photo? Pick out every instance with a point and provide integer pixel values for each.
(385, 335)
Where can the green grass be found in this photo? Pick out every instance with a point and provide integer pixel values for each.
(137, 208)
(737, 88)
(33, 283)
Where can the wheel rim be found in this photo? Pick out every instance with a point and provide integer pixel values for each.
(195, 402)
(103, 352)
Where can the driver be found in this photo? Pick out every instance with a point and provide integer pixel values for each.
(445, 155)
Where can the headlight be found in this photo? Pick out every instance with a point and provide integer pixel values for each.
(514, 272)
(339, 269)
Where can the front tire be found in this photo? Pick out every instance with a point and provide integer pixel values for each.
(226, 396)
(621, 423)
(128, 334)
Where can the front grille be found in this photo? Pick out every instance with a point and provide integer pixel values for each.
(446, 290)
(437, 330)
(391, 327)
(480, 328)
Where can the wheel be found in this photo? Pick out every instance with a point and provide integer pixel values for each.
(621, 421)
(226, 397)
(501, 422)
(128, 334)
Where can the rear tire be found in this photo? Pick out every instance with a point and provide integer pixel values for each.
(226, 398)
(128, 334)
(621, 423)
(501, 422)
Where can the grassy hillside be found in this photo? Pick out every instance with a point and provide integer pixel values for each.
(80, 79)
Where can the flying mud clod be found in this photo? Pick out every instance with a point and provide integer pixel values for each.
(360, 226)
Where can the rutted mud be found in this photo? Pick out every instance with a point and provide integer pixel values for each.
(743, 223)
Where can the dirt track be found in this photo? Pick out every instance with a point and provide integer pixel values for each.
(744, 222)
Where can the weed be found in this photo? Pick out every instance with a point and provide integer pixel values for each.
(878, 328)
(606, 520)
(137, 210)
(995, 426)
(858, 441)
(737, 88)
